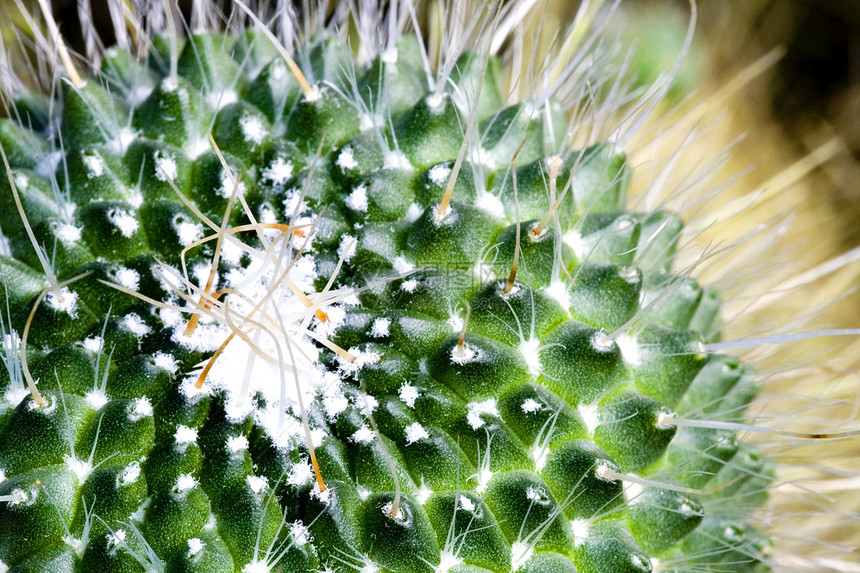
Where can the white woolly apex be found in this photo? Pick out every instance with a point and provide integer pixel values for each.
(589, 416)
(539, 455)
(409, 285)
(436, 102)
(184, 436)
(643, 565)
(362, 492)
(557, 290)
(165, 166)
(96, 398)
(346, 159)
(629, 349)
(79, 467)
(116, 539)
(189, 390)
(136, 325)
(94, 344)
(665, 420)
(520, 553)
(129, 278)
(447, 218)
(413, 212)
(369, 121)
(123, 220)
(402, 265)
(466, 503)
(531, 353)
(195, 546)
(362, 358)
(165, 362)
(580, 529)
(185, 483)
(256, 567)
(357, 200)
(464, 355)
(94, 163)
(397, 160)
(415, 432)
(257, 483)
(489, 203)
(364, 435)
(530, 405)
(67, 302)
(186, 231)
(408, 394)
(573, 239)
(278, 172)
(236, 444)
(141, 408)
(68, 234)
(323, 496)
(606, 471)
(300, 534)
(219, 99)
(228, 184)
(22, 182)
(403, 517)
(139, 514)
(439, 174)
(129, 475)
(46, 167)
(334, 402)
(253, 129)
(482, 479)
(380, 327)
(313, 95)
(346, 249)
(537, 495)
(601, 342)
(447, 561)
(369, 405)
(300, 473)
(630, 276)
(123, 139)
(389, 55)
(423, 493)
(32, 406)
(632, 491)
(488, 406)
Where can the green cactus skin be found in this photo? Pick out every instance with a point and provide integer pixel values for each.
(535, 437)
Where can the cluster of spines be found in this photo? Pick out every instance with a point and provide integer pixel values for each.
(513, 441)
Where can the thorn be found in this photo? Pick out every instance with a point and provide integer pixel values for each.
(462, 339)
(46, 267)
(515, 265)
(311, 93)
(555, 163)
(213, 271)
(62, 51)
(37, 396)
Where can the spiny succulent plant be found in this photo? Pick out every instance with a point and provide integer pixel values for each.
(355, 306)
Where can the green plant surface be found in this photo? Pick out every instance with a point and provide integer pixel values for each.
(362, 307)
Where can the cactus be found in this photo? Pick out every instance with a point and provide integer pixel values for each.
(347, 310)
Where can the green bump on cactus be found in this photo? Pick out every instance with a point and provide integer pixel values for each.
(271, 366)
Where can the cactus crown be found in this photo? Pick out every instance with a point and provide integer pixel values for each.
(347, 310)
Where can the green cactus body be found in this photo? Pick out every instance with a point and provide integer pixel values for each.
(535, 436)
